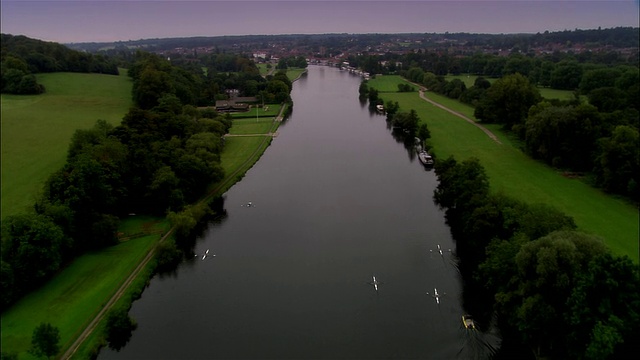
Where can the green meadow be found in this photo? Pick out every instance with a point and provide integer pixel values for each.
(516, 174)
(36, 129)
(73, 297)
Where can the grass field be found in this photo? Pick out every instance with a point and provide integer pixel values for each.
(516, 174)
(264, 69)
(73, 297)
(271, 110)
(36, 129)
(294, 73)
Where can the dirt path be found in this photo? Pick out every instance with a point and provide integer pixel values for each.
(486, 131)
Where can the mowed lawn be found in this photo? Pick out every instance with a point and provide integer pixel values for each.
(36, 129)
(514, 173)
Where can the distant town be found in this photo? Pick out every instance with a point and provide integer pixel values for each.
(336, 48)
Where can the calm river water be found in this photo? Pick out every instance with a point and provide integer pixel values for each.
(336, 200)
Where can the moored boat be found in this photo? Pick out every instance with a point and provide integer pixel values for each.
(425, 158)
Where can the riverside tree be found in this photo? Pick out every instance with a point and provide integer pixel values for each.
(45, 340)
(507, 101)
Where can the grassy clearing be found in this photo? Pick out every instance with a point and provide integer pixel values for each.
(238, 150)
(36, 129)
(72, 298)
(519, 176)
(549, 93)
(264, 68)
(268, 110)
(294, 73)
(251, 126)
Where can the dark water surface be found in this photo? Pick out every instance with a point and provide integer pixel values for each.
(336, 201)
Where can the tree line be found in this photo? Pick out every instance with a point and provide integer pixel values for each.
(556, 291)
(594, 134)
(21, 57)
(162, 157)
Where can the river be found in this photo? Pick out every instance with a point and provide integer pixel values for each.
(336, 200)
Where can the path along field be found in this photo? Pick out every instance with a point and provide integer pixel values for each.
(36, 129)
(516, 174)
(79, 293)
(76, 300)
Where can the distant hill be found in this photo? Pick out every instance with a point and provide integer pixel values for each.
(21, 57)
(620, 37)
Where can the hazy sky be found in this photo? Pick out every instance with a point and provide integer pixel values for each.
(91, 20)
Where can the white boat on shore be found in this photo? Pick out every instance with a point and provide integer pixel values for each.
(425, 158)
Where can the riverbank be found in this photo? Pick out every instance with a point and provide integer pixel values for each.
(516, 174)
(239, 155)
(236, 159)
(129, 271)
(319, 228)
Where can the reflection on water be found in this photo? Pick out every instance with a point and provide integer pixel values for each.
(338, 199)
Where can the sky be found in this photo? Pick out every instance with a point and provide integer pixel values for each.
(106, 21)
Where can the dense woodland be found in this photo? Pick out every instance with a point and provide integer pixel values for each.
(556, 292)
(160, 159)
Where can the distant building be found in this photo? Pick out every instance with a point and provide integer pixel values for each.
(237, 104)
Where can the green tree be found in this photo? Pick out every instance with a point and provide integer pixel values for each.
(7, 284)
(423, 132)
(168, 256)
(608, 99)
(507, 101)
(363, 89)
(548, 269)
(617, 167)
(33, 245)
(566, 75)
(282, 64)
(518, 64)
(150, 86)
(598, 78)
(45, 340)
(604, 309)
(119, 328)
(406, 121)
(563, 136)
(29, 85)
(462, 185)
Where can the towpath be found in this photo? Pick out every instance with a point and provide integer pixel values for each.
(471, 121)
(71, 350)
